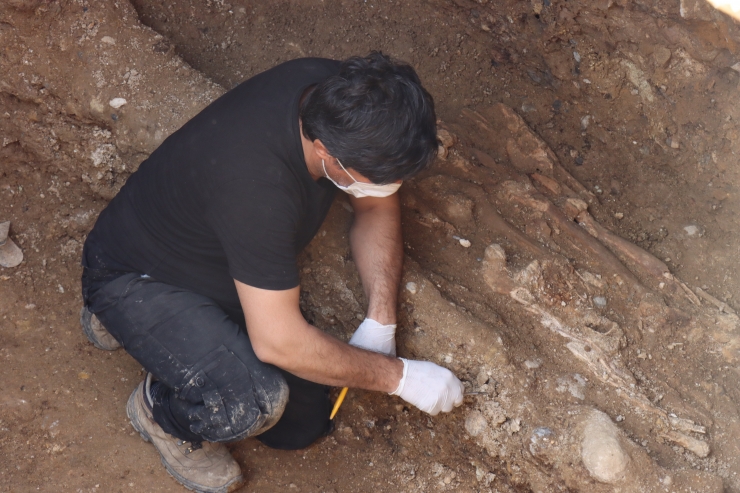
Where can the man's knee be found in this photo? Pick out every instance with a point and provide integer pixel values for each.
(228, 401)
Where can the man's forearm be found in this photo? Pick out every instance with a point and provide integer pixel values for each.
(282, 337)
(378, 253)
(313, 355)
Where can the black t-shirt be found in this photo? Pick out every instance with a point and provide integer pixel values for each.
(226, 196)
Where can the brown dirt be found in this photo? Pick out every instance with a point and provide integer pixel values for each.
(645, 116)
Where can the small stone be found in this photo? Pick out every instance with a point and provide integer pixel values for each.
(465, 243)
(108, 40)
(475, 424)
(482, 378)
(585, 121)
(619, 418)
(619, 215)
(445, 138)
(691, 230)
(672, 142)
(532, 364)
(411, 287)
(600, 301)
(736, 67)
(541, 441)
(117, 102)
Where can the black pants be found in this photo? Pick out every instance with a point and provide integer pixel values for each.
(211, 385)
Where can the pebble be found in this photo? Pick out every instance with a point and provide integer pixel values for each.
(117, 102)
(532, 364)
(619, 215)
(601, 452)
(411, 287)
(475, 424)
(600, 301)
(108, 40)
(691, 230)
(541, 440)
(465, 243)
(585, 121)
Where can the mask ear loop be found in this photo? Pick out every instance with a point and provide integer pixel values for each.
(345, 170)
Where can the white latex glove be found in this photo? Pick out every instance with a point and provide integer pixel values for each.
(429, 387)
(374, 336)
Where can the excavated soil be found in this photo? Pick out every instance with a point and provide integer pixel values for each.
(626, 108)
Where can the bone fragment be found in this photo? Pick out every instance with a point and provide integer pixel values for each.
(580, 240)
(594, 349)
(690, 294)
(686, 425)
(495, 272)
(547, 182)
(723, 307)
(500, 171)
(694, 445)
(623, 248)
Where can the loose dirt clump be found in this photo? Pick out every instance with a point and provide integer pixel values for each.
(571, 255)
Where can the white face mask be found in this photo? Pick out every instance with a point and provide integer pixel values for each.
(359, 189)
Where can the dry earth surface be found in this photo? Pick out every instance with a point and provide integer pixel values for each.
(603, 364)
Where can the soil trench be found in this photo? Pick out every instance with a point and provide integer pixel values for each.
(572, 255)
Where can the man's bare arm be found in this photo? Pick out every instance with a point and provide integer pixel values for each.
(377, 248)
(282, 337)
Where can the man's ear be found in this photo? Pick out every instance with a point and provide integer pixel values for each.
(321, 150)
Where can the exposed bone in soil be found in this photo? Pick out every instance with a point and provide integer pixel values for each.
(579, 140)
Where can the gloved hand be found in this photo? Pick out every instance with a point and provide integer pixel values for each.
(374, 336)
(429, 387)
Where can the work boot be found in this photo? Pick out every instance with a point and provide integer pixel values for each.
(95, 332)
(206, 467)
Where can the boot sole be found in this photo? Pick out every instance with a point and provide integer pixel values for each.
(86, 322)
(229, 487)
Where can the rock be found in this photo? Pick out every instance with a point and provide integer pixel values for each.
(465, 243)
(639, 80)
(661, 56)
(601, 450)
(541, 441)
(691, 229)
(445, 138)
(600, 301)
(698, 10)
(10, 254)
(108, 40)
(411, 287)
(116, 103)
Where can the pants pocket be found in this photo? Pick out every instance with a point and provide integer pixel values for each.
(225, 404)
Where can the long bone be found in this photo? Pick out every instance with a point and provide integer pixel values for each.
(526, 195)
(627, 251)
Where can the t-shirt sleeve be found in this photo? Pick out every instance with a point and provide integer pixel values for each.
(256, 223)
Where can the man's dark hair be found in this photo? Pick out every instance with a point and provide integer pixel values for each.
(375, 117)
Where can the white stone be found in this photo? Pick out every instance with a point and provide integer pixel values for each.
(475, 424)
(117, 102)
(601, 452)
(411, 287)
(108, 40)
(691, 230)
(464, 242)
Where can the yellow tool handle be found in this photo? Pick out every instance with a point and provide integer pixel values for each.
(337, 404)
